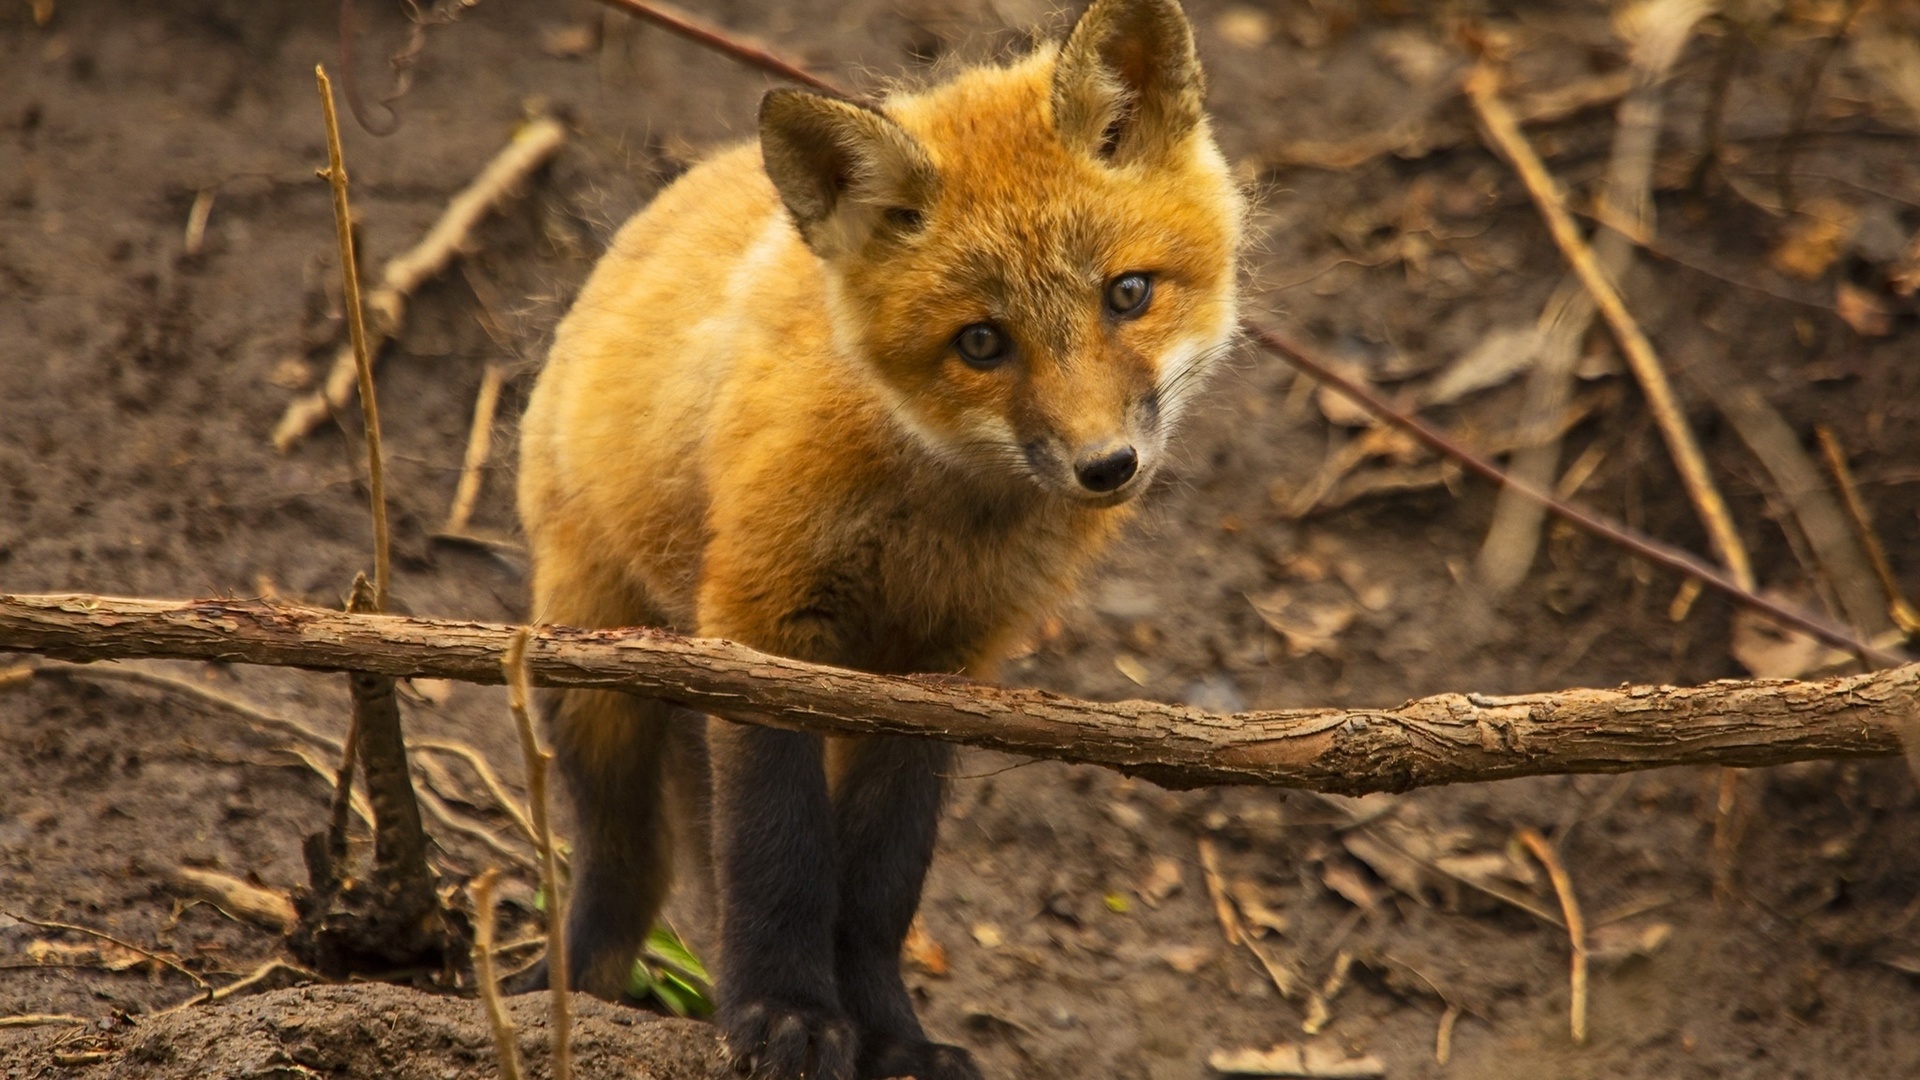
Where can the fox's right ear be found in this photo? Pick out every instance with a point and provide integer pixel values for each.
(1127, 86)
(843, 170)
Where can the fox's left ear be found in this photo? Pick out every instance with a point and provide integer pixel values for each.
(845, 171)
(1127, 86)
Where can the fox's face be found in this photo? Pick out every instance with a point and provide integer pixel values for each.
(1036, 261)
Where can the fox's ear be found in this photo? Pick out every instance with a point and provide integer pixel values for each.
(1127, 86)
(845, 171)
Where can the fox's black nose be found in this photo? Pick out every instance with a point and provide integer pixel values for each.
(1105, 470)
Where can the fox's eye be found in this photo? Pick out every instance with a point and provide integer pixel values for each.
(981, 344)
(1127, 295)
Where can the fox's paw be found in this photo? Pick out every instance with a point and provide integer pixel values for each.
(771, 1040)
(919, 1060)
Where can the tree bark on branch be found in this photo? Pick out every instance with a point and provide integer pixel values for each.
(1448, 738)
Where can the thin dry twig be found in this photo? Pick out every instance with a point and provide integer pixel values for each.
(732, 45)
(335, 174)
(1776, 445)
(490, 779)
(1729, 824)
(51, 924)
(1803, 97)
(1217, 890)
(114, 672)
(197, 217)
(479, 445)
(1898, 609)
(518, 681)
(1285, 979)
(1576, 929)
(1483, 90)
(504, 1046)
(1655, 32)
(330, 774)
(1443, 1035)
(532, 145)
(254, 978)
(1655, 551)
(241, 900)
(42, 1020)
(343, 791)
(461, 823)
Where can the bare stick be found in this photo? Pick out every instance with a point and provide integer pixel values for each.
(1217, 891)
(335, 175)
(252, 979)
(252, 714)
(729, 44)
(1443, 1035)
(1576, 929)
(238, 899)
(1898, 609)
(514, 667)
(197, 217)
(1449, 738)
(41, 1020)
(531, 147)
(1646, 547)
(461, 823)
(343, 792)
(1803, 102)
(50, 924)
(504, 1046)
(328, 774)
(479, 444)
(1655, 33)
(1776, 445)
(490, 779)
(1483, 91)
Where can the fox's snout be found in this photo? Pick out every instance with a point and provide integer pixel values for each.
(1107, 468)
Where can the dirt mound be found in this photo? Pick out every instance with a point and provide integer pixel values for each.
(372, 1030)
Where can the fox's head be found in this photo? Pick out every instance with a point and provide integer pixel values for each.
(1036, 261)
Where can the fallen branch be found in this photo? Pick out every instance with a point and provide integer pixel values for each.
(1576, 930)
(1655, 35)
(1449, 738)
(43, 1020)
(239, 899)
(686, 26)
(504, 1047)
(101, 935)
(479, 445)
(514, 667)
(1656, 551)
(1483, 89)
(531, 147)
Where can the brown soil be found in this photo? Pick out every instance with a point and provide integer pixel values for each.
(140, 383)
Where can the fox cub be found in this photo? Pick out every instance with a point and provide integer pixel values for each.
(871, 392)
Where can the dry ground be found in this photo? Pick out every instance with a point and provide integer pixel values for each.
(139, 383)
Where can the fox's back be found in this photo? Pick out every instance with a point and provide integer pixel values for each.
(617, 433)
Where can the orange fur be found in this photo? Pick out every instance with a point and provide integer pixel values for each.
(726, 414)
(762, 421)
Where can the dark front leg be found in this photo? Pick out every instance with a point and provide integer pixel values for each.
(609, 747)
(887, 794)
(774, 858)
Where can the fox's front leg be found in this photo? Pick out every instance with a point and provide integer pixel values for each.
(774, 858)
(887, 794)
